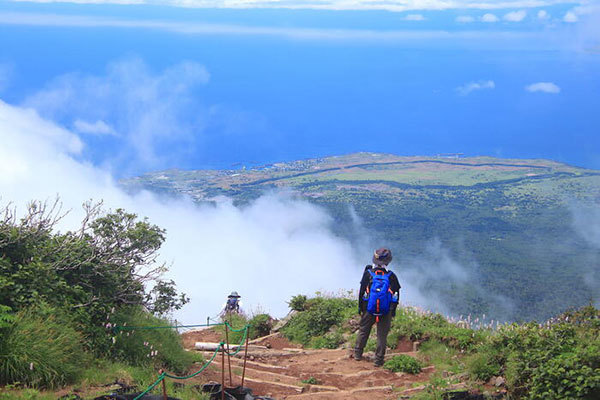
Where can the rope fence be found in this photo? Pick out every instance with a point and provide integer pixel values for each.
(222, 347)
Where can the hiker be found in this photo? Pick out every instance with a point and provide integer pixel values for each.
(377, 302)
(232, 306)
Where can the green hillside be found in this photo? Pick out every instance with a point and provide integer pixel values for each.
(507, 222)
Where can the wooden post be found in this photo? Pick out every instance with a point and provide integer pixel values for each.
(207, 321)
(228, 356)
(245, 356)
(223, 372)
(164, 386)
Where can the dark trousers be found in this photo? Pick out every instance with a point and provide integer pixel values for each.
(383, 328)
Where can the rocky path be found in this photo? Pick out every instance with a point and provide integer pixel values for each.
(278, 369)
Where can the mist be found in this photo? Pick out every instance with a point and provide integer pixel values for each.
(268, 251)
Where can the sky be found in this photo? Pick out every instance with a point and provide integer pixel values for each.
(152, 85)
(91, 92)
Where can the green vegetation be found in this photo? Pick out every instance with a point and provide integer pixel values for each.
(559, 359)
(41, 349)
(260, 325)
(311, 381)
(62, 294)
(157, 348)
(403, 363)
(320, 325)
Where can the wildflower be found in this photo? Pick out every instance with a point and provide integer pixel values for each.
(31, 366)
(114, 340)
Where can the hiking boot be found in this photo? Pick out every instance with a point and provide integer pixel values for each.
(378, 364)
(357, 357)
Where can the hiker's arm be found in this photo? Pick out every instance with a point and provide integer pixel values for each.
(395, 286)
(364, 283)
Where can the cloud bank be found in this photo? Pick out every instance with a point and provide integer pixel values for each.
(388, 5)
(272, 249)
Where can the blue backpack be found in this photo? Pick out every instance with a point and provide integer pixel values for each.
(380, 294)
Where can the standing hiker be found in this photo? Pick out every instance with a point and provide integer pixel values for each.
(377, 302)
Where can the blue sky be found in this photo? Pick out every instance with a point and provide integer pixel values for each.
(188, 85)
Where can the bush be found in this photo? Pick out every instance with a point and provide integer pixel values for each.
(403, 363)
(321, 315)
(411, 324)
(260, 325)
(159, 347)
(237, 322)
(41, 349)
(557, 360)
(482, 367)
(298, 302)
(331, 340)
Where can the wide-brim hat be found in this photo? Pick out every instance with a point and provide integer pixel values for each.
(382, 256)
(234, 294)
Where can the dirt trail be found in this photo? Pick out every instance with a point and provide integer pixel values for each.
(278, 369)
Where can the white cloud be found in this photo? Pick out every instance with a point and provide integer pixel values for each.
(277, 238)
(504, 39)
(389, 5)
(146, 111)
(472, 86)
(570, 16)
(94, 128)
(545, 87)
(515, 16)
(414, 17)
(489, 18)
(543, 15)
(464, 19)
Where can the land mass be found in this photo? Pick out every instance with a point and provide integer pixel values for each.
(482, 235)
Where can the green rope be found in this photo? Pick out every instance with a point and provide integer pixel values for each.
(221, 345)
(116, 329)
(201, 369)
(160, 378)
(239, 347)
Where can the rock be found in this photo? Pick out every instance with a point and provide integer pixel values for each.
(280, 324)
(500, 381)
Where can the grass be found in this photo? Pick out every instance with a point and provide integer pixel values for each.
(41, 349)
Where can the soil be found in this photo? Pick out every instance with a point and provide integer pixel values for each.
(200, 335)
(279, 369)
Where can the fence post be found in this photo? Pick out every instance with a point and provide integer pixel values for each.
(164, 386)
(228, 356)
(245, 355)
(223, 370)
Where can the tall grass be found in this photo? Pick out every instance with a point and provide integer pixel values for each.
(41, 349)
(161, 348)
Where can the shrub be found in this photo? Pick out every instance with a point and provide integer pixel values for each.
(237, 322)
(557, 360)
(482, 367)
(41, 349)
(298, 302)
(330, 340)
(413, 325)
(260, 325)
(159, 347)
(320, 316)
(403, 363)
